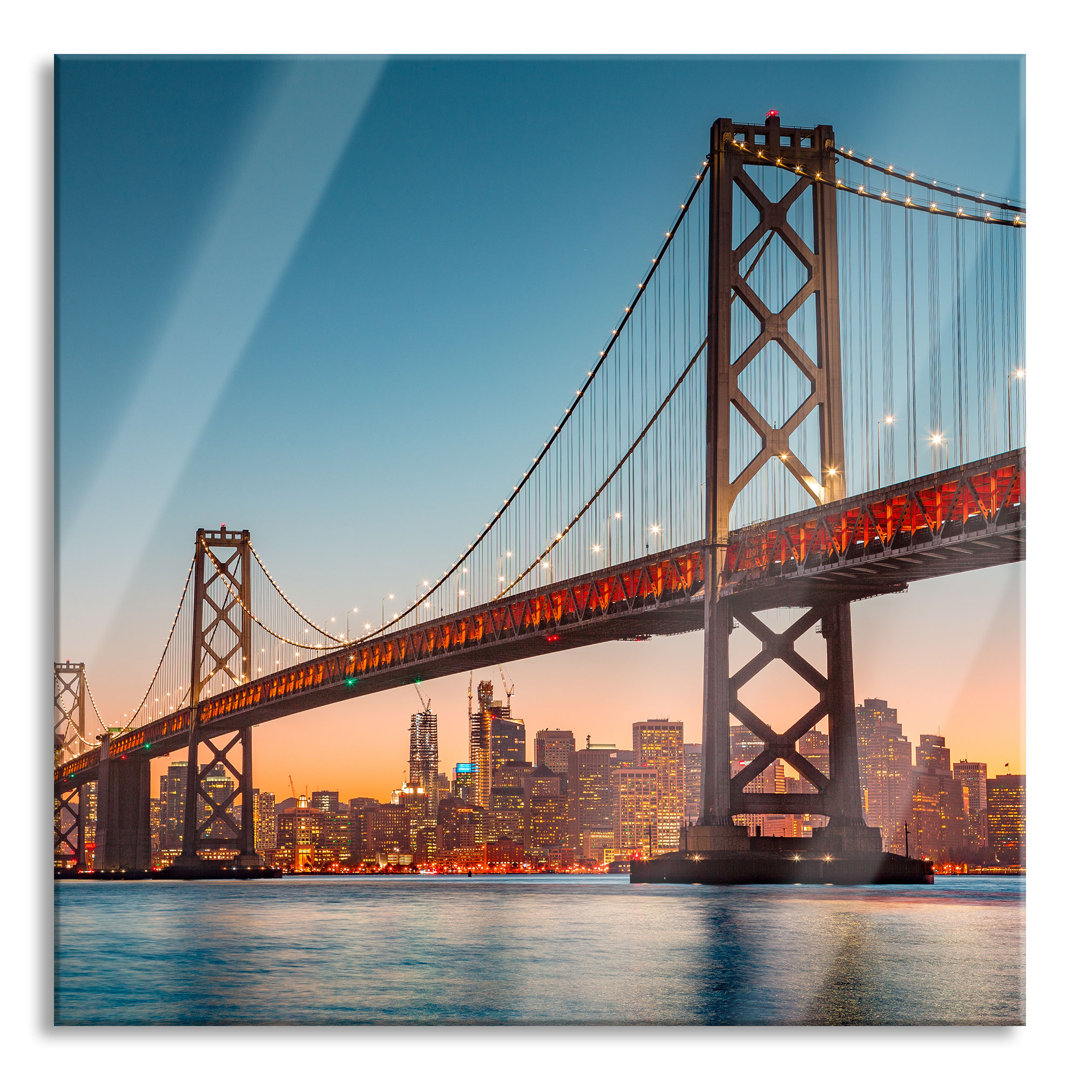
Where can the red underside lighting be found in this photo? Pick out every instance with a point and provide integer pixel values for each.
(553, 637)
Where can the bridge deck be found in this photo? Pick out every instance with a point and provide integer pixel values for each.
(959, 519)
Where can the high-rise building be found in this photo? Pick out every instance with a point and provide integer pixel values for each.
(1006, 819)
(386, 828)
(932, 753)
(442, 789)
(324, 800)
(692, 771)
(424, 756)
(972, 777)
(415, 799)
(461, 825)
(506, 818)
(512, 774)
(884, 771)
(636, 800)
(265, 820)
(591, 795)
(553, 748)
(540, 780)
(466, 785)
(494, 740)
(937, 803)
(173, 792)
(658, 744)
(507, 738)
(156, 807)
(547, 825)
(90, 793)
(302, 840)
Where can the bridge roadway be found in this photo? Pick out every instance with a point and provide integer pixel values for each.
(958, 519)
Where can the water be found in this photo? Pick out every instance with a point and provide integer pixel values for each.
(537, 950)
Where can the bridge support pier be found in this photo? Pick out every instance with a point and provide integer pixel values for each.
(123, 825)
(69, 827)
(838, 793)
(200, 827)
(221, 644)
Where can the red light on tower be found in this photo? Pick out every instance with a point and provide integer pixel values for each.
(771, 113)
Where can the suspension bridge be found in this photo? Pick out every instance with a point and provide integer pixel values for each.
(813, 395)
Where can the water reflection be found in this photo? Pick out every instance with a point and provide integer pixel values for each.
(559, 950)
(849, 991)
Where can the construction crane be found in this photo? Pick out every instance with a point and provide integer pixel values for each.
(509, 690)
(426, 707)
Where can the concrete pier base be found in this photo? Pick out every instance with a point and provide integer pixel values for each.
(706, 838)
(781, 861)
(207, 871)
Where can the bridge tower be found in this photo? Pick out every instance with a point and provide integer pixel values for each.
(734, 148)
(221, 644)
(70, 817)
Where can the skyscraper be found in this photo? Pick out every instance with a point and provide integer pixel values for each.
(415, 799)
(932, 753)
(636, 799)
(547, 825)
(937, 802)
(466, 785)
(972, 777)
(1006, 819)
(265, 820)
(692, 771)
(173, 791)
(553, 748)
(507, 738)
(506, 819)
(884, 771)
(658, 744)
(592, 799)
(424, 757)
(325, 800)
(494, 740)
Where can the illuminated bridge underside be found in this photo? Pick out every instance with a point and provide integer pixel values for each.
(965, 518)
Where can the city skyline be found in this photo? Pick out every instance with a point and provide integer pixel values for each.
(554, 241)
(610, 804)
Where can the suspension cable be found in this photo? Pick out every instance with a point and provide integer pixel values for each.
(932, 185)
(611, 476)
(172, 630)
(569, 412)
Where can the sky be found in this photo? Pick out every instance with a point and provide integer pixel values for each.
(339, 302)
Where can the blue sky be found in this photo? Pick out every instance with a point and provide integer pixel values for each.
(339, 303)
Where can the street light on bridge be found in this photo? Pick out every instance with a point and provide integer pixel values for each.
(888, 420)
(939, 440)
(1018, 375)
